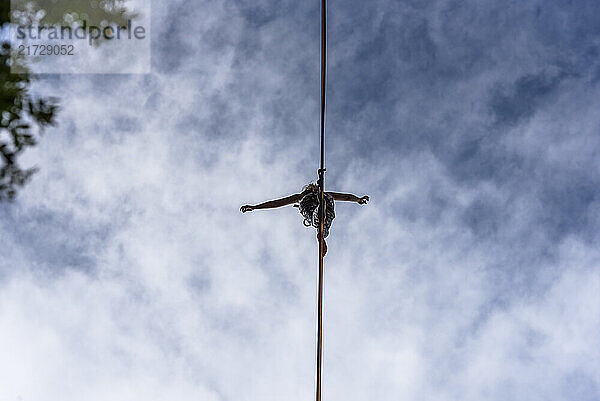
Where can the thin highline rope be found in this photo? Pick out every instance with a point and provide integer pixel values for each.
(321, 200)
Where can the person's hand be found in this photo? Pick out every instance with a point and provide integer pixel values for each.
(363, 200)
(246, 208)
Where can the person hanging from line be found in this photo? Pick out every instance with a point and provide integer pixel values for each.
(307, 202)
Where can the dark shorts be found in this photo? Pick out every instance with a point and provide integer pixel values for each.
(309, 208)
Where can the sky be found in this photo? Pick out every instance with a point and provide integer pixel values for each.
(128, 272)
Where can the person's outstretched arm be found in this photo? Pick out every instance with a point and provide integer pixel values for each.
(272, 204)
(349, 197)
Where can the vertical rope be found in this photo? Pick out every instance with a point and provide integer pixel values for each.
(321, 200)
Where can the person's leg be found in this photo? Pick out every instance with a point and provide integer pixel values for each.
(324, 243)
